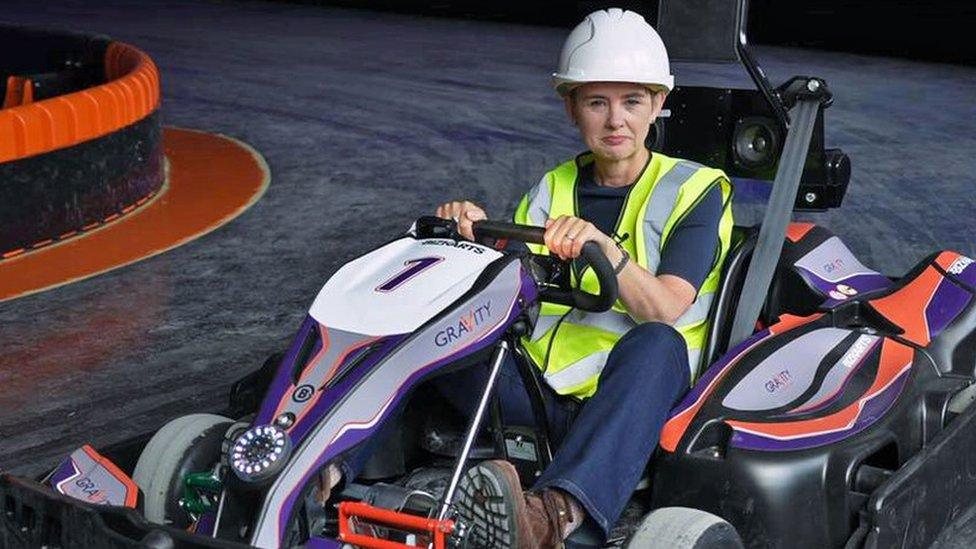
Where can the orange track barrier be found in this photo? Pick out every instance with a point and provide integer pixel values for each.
(212, 179)
(131, 94)
(20, 91)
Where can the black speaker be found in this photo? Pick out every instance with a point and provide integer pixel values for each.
(756, 143)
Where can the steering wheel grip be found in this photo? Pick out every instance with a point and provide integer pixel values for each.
(591, 254)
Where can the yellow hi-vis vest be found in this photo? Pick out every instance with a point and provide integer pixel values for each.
(664, 193)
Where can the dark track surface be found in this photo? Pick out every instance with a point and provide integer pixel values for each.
(368, 121)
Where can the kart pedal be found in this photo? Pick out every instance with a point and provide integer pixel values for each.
(432, 529)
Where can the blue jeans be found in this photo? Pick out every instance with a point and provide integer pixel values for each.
(604, 445)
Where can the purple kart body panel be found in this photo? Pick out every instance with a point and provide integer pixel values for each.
(314, 383)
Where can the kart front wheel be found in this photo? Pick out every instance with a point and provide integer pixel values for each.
(188, 444)
(684, 528)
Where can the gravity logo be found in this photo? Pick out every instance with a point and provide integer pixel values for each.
(91, 491)
(779, 381)
(466, 324)
(832, 266)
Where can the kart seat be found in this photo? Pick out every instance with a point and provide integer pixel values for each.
(727, 296)
(813, 266)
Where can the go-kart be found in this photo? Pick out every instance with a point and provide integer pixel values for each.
(416, 307)
(832, 407)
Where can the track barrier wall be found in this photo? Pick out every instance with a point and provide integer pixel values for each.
(80, 138)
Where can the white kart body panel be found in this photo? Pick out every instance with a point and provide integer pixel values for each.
(353, 299)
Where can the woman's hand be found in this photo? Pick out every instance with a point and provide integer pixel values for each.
(566, 235)
(463, 213)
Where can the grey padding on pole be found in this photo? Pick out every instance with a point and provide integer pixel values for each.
(769, 244)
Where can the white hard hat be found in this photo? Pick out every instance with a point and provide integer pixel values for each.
(613, 46)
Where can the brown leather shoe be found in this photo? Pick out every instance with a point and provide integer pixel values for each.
(499, 515)
(550, 517)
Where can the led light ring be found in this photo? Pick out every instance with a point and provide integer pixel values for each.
(259, 453)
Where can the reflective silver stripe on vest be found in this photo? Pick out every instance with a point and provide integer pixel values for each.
(697, 312)
(540, 202)
(610, 321)
(660, 207)
(659, 210)
(694, 357)
(542, 325)
(578, 372)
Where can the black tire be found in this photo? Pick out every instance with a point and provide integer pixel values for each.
(684, 528)
(188, 444)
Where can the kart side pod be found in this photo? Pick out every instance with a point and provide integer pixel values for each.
(787, 435)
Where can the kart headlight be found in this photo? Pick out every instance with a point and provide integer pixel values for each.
(259, 453)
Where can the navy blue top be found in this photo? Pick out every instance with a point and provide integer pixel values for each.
(690, 250)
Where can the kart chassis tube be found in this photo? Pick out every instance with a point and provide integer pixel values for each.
(496, 362)
(437, 528)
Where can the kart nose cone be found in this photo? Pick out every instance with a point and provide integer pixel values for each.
(259, 453)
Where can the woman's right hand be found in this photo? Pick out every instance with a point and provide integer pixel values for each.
(464, 213)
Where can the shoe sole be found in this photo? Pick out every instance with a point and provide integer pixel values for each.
(489, 507)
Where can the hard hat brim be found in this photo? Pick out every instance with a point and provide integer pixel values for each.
(565, 85)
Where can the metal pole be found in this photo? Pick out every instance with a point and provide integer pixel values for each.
(496, 363)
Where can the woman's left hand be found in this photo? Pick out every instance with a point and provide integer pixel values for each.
(566, 235)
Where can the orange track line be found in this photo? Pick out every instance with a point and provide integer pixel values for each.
(212, 179)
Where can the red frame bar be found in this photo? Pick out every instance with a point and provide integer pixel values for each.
(438, 529)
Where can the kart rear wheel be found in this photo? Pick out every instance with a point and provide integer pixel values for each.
(684, 528)
(188, 444)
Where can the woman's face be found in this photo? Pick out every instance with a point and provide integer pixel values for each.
(614, 117)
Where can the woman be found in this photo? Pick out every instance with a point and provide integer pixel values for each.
(665, 225)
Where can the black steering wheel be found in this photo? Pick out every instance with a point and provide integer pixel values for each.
(591, 254)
